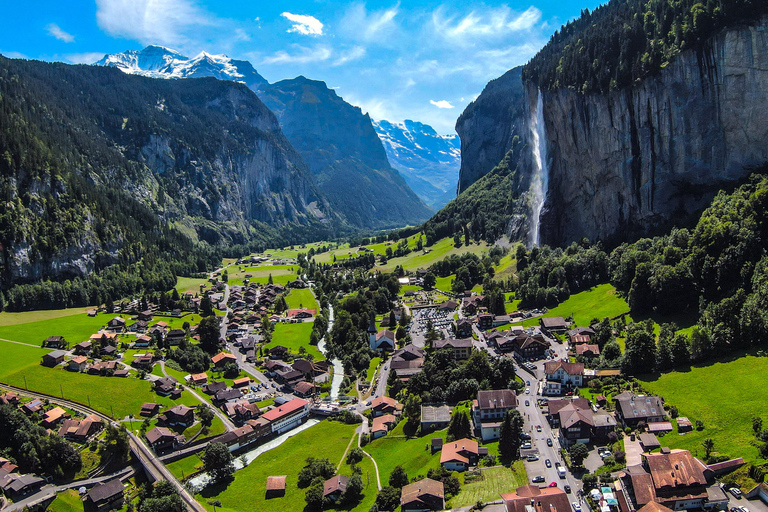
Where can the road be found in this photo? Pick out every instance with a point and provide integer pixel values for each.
(152, 465)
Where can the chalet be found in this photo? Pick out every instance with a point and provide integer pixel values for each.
(530, 347)
(407, 362)
(287, 416)
(8, 466)
(178, 416)
(53, 358)
(214, 387)
(426, 494)
(290, 378)
(335, 487)
(78, 364)
(241, 411)
(531, 498)
(499, 320)
(121, 372)
(32, 407)
(459, 455)
(164, 386)
(117, 324)
(238, 438)
(580, 331)
(83, 348)
(304, 389)
(162, 439)
(308, 368)
(447, 306)
(142, 341)
(462, 348)
(577, 421)
(55, 342)
(139, 326)
(632, 409)
(223, 358)
(175, 336)
(385, 405)
(54, 416)
(553, 324)
(145, 315)
(109, 350)
(143, 361)
(382, 424)
(275, 486)
(9, 398)
(301, 314)
(273, 367)
(15, 485)
(470, 304)
(241, 383)
(464, 328)
(278, 352)
(489, 409)
(81, 430)
(149, 409)
(199, 379)
(383, 340)
(227, 395)
(578, 339)
(587, 350)
(562, 377)
(485, 321)
(435, 417)
(297, 283)
(246, 344)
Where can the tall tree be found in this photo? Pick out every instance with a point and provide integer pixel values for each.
(398, 478)
(208, 330)
(459, 426)
(218, 462)
(509, 435)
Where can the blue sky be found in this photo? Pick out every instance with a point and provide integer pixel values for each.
(396, 60)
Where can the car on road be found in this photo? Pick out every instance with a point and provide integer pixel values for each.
(576, 506)
(538, 428)
(527, 403)
(736, 492)
(548, 463)
(527, 391)
(553, 484)
(567, 489)
(549, 441)
(527, 383)
(557, 464)
(538, 479)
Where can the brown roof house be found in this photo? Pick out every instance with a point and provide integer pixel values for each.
(105, 496)
(385, 405)
(383, 340)
(178, 416)
(530, 498)
(222, 358)
(462, 348)
(632, 409)
(562, 377)
(163, 439)
(335, 487)
(382, 424)
(554, 324)
(489, 409)
(459, 455)
(426, 494)
(53, 358)
(275, 486)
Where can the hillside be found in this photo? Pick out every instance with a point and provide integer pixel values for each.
(100, 167)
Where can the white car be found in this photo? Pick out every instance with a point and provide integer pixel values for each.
(576, 506)
(527, 391)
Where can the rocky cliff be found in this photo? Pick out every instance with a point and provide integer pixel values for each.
(642, 158)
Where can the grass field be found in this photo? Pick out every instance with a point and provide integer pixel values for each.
(182, 468)
(495, 481)
(326, 439)
(725, 396)
(506, 267)
(123, 396)
(301, 298)
(412, 454)
(438, 251)
(293, 336)
(16, 357)
(191, 284)
(36, 316)
(66, 501)
(75, 328)
(599, 302)
(375, 362)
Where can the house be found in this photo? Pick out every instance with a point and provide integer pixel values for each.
(531, 498)
(462, 348)
(32, 407)
(435, 417)
(164, 386)
(528, 347)
(287, 416)
(223, 358)
(499, 320)
(83, 348)
(144, 361)
(562, 377)
(199, 378)
(239, 437)
(577, 422)
(464, 328)
(301, 314)
(335, 487)
(275, 486)
(673, 479)
(53, 358)
(649, 442)
(683, 424)
(304, 389)
(109, 350)
(117, 324)
(55, 342)
(149, 409)
(9, 398)
(459, 455)
(241, 411)
(178, 416)
(581, 331)
(587, 350)
(241, 383)
(385, 405)
(277, 352)
(407, 362)
(105, 496)
(15, 485)
(214, 387)
(81, 430)
(383, 340)
(121, 372)
(447, 306)
(382, 424)
(470, 304)
(489, 409)
(554, 324)
(485, 321)
(308, 368)
(578, 339)
(54, 416)
(78, 364)
(632, 409)
(227, 395)
(175, 336)
(426, 494)
(142, 341)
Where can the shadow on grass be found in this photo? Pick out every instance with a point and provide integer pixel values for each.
(726, 358)
(215, 489)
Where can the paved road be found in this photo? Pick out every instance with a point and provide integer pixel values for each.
(223, 417)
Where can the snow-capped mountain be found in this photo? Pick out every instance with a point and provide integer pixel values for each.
(160, 62)
(428, 161)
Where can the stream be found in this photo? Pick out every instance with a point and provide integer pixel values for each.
(338, 368)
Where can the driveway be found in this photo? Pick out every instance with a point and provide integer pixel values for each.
(633, 451)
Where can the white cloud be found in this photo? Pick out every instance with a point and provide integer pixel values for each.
(303, 55)
(164, 22)
(13, 55)
(304, 24)
(526, 20)
(441, 104)
(490, 23)
(55, 31)
(354, 53)
(84, 58)
(358, 23)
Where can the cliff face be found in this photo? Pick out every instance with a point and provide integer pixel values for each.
(646, 157)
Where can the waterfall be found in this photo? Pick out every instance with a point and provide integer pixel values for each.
(540, 181)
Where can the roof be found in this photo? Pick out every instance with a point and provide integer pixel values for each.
(199, 376)
(530, 498)
(571, 414)
(79, 360)
(54, 414)
(496, 399)
(551, 367)
(640, 406)
(649, 441)
(276, 483)
(427, 486)
(56, 354)
(454, 451)
(222, 356)
(652, 506)
(439, 414)
(336, 484)
(158, 433)
(554, 322)
(461, 343)
(106, 490)
(585, 347)
(675, 468)
(660, 426)
(180, 410)
(304, 387)
(285, 409)
(384, 401)
(556, 404)
(385, 333)
(380, 422)
(642, 484)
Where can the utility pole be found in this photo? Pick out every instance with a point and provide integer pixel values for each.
(25, 383)
(62, 391)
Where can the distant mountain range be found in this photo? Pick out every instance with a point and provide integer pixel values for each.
(429, 161)
(334, 138)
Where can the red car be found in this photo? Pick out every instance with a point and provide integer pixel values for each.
(553, 484)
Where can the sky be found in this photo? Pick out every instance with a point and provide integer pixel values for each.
(419, 60)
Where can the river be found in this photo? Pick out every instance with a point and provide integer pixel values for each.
(338, 368)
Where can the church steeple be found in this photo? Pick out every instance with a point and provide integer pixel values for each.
(372, 326)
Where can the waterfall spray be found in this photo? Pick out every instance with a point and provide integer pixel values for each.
(540, 181)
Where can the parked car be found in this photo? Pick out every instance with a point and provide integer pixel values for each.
(549, 441)
(525, 446)
(533, 458)
(576, 506)
(736, 492)
(538, 479)
(567, 489)
(548, 463)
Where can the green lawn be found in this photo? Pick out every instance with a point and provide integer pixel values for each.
(281, 274)
(16, 357)
(725, 395)
(506, 267)
(412, 454)
(293, 336)
(182, 468)
(438, 251)
(327, 439)
(191, 284)
(74, 328)
(301, 298)
(495, 481)
(66, 501)
(124, 396)
(444, 283)
(375, 362)
(599, 302)
(38, 315)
